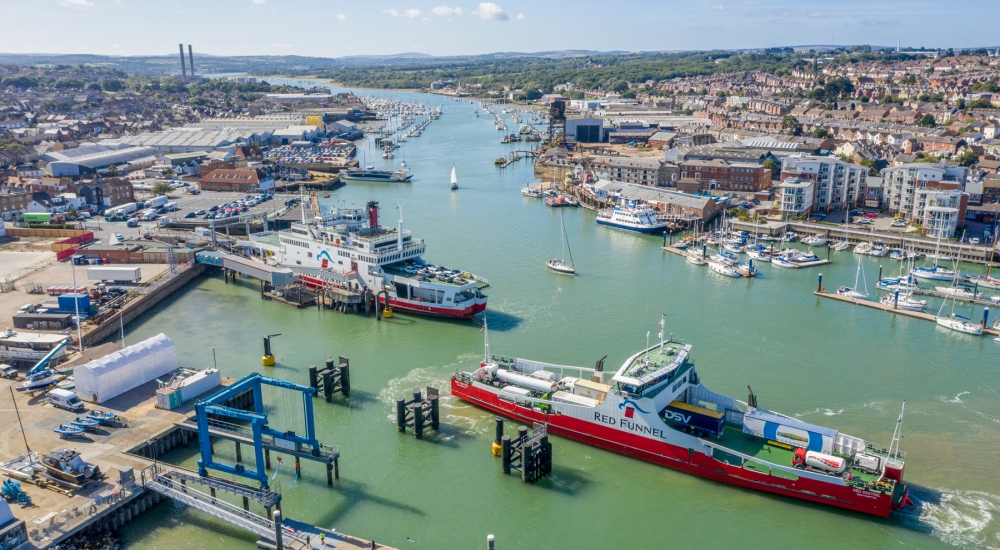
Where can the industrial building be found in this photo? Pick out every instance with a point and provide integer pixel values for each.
(90, 159)
(585, 130)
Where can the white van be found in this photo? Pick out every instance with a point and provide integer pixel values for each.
(65, 399)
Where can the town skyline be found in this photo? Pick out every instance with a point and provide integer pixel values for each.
(265, 27)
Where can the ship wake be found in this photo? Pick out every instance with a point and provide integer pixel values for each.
(961, 518)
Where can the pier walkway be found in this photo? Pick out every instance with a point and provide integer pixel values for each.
(878, 305)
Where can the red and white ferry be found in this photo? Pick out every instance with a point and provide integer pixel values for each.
(655, 408)
(347, 245)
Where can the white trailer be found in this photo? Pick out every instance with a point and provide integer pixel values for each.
(115, 274)
(157, 201)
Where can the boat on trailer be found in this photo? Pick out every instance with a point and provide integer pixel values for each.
(657, 408)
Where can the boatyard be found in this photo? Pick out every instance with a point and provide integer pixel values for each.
(322, 449)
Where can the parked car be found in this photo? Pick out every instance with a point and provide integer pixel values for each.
(899, 223)
(213, 209)
(190, 215)
(199, 212)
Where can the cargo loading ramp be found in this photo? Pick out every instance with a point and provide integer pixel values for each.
(275, 276)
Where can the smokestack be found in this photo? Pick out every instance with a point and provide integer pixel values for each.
(184, 74)
(191, 60)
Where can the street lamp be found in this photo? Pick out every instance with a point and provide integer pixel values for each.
(76, 302)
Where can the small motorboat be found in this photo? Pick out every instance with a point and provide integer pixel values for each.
(733, 247)
(42, 381)
(764, 237)
(747, 269)
(105, 417)
(842, 245)
(815, 240)
(85, 423)
(790, 237)
(759, 255)
(863, 248)
(68, 430)
(529, 192)
(68, 465)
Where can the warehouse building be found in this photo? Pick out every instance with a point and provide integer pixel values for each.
(95, 158)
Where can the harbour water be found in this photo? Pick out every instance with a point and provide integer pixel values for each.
(823, 361)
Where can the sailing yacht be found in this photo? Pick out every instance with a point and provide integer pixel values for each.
(454, 178)
(560, 265)
(906, 301)
(936, 273)
(854, 293)
(955, 321)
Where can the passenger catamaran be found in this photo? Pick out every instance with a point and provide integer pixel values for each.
(348, 246)
(656, 408)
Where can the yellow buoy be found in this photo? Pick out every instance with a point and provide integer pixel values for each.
(267, 360)
(497, 449)
(387, 313)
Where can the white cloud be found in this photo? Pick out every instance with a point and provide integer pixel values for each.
(521, 17)
(445, 11)
(116, 45)
(719, 7)
(489, 10)
(77, 3)
(817, 14)
(341, 17)
(259, 1)
(410, 13)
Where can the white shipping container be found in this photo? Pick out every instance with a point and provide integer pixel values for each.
(120, 274)
(515, 394)
(566, 397)
(188, 388)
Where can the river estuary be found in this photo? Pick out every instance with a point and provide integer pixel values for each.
(823, 361)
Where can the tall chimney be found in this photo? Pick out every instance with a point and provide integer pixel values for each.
(184, 74)
(191, 60)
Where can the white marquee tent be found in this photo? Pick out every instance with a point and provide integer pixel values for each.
(112, 375)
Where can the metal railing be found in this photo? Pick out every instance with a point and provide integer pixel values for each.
(67, 520)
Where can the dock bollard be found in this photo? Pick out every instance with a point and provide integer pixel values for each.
(819, 285)
(489, 542)
(986, 316)
(505, 453)
(496, 439)
(279, 544)
(401, 414)
(895, 299)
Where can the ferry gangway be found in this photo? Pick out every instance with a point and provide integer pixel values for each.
(158, 478)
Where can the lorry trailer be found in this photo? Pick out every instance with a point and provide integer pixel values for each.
(115, 274)
(694, 419)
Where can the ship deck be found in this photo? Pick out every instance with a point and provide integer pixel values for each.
(656, 360)
(398, 272)
(758, 448)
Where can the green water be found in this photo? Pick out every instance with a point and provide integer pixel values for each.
(823, 361)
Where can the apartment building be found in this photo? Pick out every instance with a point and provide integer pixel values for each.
(941, 212)
(13, 203)
(839, 185)
(721, 175)
(902, 182)
(644, 171)
(796, 196)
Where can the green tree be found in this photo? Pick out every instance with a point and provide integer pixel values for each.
(773, 167)
(927, 121)
(967, 158)
(872, 167)
(791, 124)
(161, 188)
(821, 133)
(112, 85)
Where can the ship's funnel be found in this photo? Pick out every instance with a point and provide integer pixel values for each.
(373, 215)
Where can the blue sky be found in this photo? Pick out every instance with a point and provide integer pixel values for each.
(454, 27)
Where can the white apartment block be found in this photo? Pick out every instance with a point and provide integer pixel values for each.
(902, 182)
(839, 185)
(938, 211)
(796, 196)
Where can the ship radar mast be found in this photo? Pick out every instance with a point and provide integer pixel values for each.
(399, 233)
(486, 340)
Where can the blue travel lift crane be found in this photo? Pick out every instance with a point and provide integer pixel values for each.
(288, 442)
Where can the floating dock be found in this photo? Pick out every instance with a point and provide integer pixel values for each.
(681, 252)
(879, 305)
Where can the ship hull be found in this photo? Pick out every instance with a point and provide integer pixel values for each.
(681, 458)
(643, 230)
(410, 307)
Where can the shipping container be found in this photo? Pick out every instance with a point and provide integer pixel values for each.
(694, 418)
(156, 201)
(70, 301)
(182, 390)
(515, 394)
(117, 274)
(37, 218)
(586, 388)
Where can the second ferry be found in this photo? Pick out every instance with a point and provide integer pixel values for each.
(349, 246)
(640, 219)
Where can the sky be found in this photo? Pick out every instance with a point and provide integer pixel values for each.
(335, 28)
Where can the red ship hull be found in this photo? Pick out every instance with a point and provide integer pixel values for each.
(412, 307)
(678, 458)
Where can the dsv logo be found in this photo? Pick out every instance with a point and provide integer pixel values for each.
(676, 417)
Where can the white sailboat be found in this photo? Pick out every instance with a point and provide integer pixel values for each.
(854, 293)
(957, 322)
(454, 178)
(560, 265)
(936, 273)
